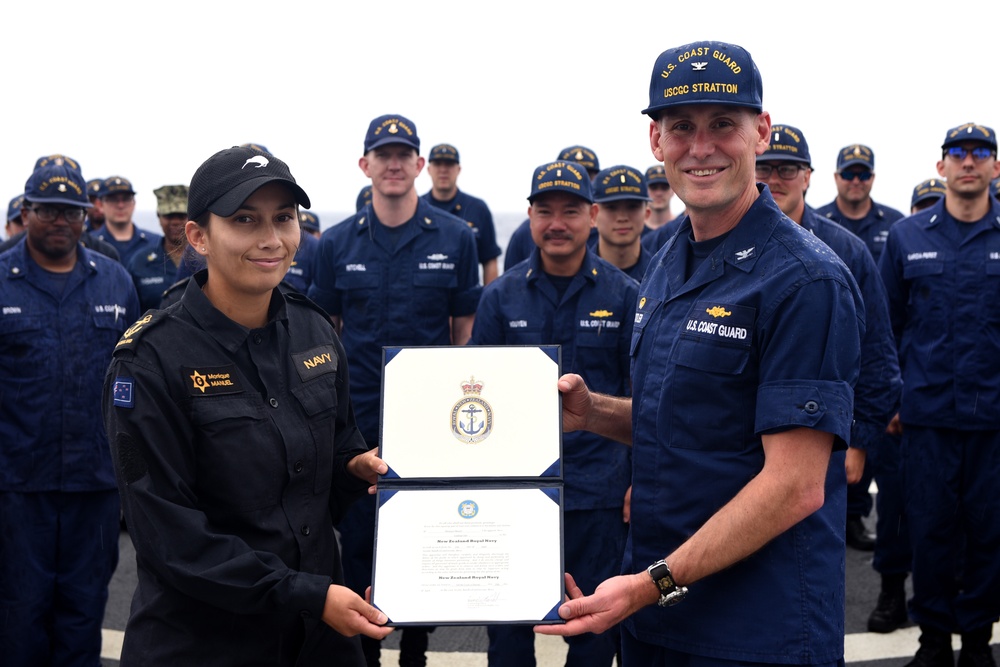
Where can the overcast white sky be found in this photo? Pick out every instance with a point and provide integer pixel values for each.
(148, 90)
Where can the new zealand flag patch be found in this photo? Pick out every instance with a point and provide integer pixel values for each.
(122, 392)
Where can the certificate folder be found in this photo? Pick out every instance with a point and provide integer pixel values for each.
(469, 517)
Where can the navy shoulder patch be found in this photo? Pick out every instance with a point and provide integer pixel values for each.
(211, 380)
(123, 392)
(315, 362)
(143, 324)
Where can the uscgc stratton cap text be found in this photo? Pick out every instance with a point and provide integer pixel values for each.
(970, 132)
(705, 73)
(787, 144)
(581, 155)
(856, 154)
(561, 176)
(932, 188)
(620, 182)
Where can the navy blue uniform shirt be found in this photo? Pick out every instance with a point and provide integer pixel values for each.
(127, 249)
(152, 272)
(873, 229)
(477, 215)
(300, 273)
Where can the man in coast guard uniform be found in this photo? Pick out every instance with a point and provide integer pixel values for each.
(622, 212)
(118, 204)
(564, 294)
(926, 194)
(398, 272)
(745, 351)
(941, 269)
(63, 309)
(786, 169)
(156, 269)
(444, 167)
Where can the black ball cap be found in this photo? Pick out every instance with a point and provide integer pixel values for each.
(228, 178)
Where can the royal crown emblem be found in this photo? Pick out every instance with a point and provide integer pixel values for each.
(471, 417)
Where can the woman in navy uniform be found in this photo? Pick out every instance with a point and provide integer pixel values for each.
(235, 446)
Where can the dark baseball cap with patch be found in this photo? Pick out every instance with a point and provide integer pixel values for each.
(970, 132)
(705, 73)
(59, 159)
(787, 144)
(856, 154)
(561, 176)
(309, 221)
(14, 208)
(445, 152)
(227, 179)
(932, 188)
(57, 183)
(95, 187)
(620, 182)
(113, 185)
(392, 129)
(656, 174)
(581, 155)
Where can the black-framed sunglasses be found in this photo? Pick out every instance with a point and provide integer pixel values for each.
(72, 214)
(786, 172)
(979, 153)
(863, 176)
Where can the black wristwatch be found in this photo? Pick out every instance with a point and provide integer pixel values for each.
(670, 592)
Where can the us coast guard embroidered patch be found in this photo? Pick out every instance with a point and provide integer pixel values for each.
(472, 417)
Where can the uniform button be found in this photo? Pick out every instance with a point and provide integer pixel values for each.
(257, 338)
(274, 402)
(811, 407)
(298, 466)
(304, 529)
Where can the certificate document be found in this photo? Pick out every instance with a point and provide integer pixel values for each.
(449, 555)
(468, 524)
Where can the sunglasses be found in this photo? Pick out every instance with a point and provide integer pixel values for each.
(862, 176)
(979, 153)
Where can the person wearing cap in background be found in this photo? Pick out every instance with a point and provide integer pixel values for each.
(155, 269)
(734, 415)
(926, 194)
(854, 208)
(398, 272)
(622, 213)
(562, 294)
(520, 244)
(941, 269)
(14, 224)
(64, 307)
(300, 273)
(660, 196)
(95, 214)
(118, 203)
(443, 166)
(786, 168)
(309, 222)
(233, 458)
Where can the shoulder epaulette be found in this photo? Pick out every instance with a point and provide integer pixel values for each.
(295, 297)
(150, 319)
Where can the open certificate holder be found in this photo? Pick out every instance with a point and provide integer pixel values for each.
(469, 522)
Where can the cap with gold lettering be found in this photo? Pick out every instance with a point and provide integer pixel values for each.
(620, 182)
(95, 187)
(581, 155)
(59, 159)
(970, 132)
(856, 154)
(931, 189)
(443, 153)
(364, 198)
(787, 144)
(309, 221)
(57, 183)
(14, 208)
(116, 184)
(656, 174)
(705, 73)
(171, 199)
(561, 176)
(391, 129)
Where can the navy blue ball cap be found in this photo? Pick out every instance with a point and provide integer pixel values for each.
(856, 154)
(444, 152)
(656, 174)
(970, 132)
(227, 179)
(364, 198)
(705, 73)
(309, 221)
(57, 183)
(113, 185)
(392, 129)
(787, 144)
(59, 159)
(95, 187)
(932, 188)
(580, 155)
(14, 207)
(561, 176)
(620, 182)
